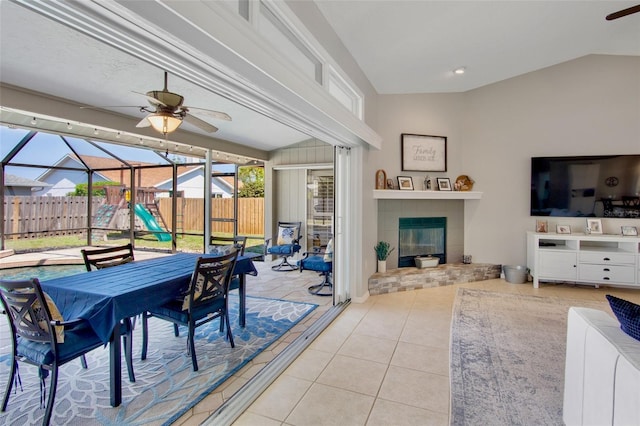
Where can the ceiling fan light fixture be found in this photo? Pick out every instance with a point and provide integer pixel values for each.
(164, 122)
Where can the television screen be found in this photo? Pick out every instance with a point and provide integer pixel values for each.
(586, 186)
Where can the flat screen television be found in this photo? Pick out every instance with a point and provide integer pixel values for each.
(586, 186)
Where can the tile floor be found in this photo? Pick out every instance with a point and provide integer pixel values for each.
(384, 362)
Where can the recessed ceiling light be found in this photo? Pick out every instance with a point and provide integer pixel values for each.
(459, 70)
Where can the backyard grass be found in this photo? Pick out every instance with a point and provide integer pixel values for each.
(185, 243)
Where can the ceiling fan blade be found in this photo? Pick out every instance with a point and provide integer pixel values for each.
(623, 12)
(144, 123)
(200, 123)
(110, 106)
(151, 99)
(213, 114)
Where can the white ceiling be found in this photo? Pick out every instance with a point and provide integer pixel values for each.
(414, 46)
(402, 47)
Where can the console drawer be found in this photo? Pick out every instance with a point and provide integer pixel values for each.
(607, 273)
(608, 258)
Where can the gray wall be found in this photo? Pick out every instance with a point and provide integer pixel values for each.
(587, 106)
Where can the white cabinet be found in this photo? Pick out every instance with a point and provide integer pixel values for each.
(591, 259)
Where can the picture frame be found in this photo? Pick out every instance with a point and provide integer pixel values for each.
(594, 226)
(423, 153)
(405, 183)
(390, 184)
(542, 226)
(444, 184)
(629, 231)
(381, 179)
(563, 229)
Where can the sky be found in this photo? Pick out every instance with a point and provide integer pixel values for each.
(46, 149)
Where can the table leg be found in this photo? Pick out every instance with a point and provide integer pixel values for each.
(242, 292)
(115, 366)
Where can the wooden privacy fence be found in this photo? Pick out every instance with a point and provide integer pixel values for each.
(36, 217)
(191, 214)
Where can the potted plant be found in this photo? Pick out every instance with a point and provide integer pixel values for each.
(383, 250)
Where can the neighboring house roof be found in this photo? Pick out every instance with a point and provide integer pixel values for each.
(149, 178)
(223, 182)
(19, 181)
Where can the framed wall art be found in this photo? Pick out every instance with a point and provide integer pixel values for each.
(405, 183)
(424, 153)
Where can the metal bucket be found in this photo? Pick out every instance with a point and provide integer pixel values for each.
(515, 274)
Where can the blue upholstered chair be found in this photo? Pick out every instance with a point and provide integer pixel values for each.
(287, 243)
(41, 337)
(321, 262)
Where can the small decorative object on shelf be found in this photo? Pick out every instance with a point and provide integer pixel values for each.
(390, 184)
(563, 229)
(541, 226)
(594, 226)
(444, 184)
(427, 183)
(463, 183)
(381, 179)
(405, 183)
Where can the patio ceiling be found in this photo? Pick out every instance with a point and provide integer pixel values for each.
(60, 66)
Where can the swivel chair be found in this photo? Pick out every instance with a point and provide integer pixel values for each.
(287, 243)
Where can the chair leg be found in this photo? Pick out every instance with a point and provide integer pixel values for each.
(52, 395)
(317, 289)
(191, 346)
(83, 361)
(229, 333)
(128, 349)
(176, 331)
(284, 264)
(145, 336)
(9, 384)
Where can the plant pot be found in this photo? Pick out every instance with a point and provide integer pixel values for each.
(382, 266)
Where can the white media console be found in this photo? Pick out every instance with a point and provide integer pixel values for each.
(584, 258)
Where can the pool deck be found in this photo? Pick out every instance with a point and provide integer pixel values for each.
(72, 256)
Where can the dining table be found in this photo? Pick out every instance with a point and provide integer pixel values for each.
(107, 296)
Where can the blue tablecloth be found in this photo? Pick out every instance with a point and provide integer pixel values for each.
(106, 296)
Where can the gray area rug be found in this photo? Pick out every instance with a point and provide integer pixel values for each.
(507, 358)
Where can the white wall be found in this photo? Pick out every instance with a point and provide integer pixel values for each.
(587, 106)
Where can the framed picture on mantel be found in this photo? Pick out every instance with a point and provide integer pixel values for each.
(424, 153)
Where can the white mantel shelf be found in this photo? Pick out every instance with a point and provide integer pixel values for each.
(395, 194)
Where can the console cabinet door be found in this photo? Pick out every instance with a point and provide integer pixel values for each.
(557, 265)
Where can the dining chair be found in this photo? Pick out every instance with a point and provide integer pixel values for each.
(286, 244)
(106, 257)
(205, 299)
(101, 258)
(41, 337)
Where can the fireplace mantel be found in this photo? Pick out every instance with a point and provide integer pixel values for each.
(395, 194)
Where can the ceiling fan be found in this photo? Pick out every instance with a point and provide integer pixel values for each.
(623, 12)
(168, 112)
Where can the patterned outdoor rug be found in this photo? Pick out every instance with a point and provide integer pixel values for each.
(165, 387)
(507, 358)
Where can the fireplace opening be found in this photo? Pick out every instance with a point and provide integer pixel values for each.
(421, 236)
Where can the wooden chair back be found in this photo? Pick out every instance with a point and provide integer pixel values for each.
(107, 257)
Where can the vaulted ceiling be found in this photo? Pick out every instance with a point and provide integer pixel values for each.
(401, 46)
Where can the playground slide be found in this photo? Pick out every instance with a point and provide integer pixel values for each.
(151, 223)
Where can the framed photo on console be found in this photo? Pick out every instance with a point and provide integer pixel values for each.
(563, 229)
(405, 183)
(594, 226)
(630, 231)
